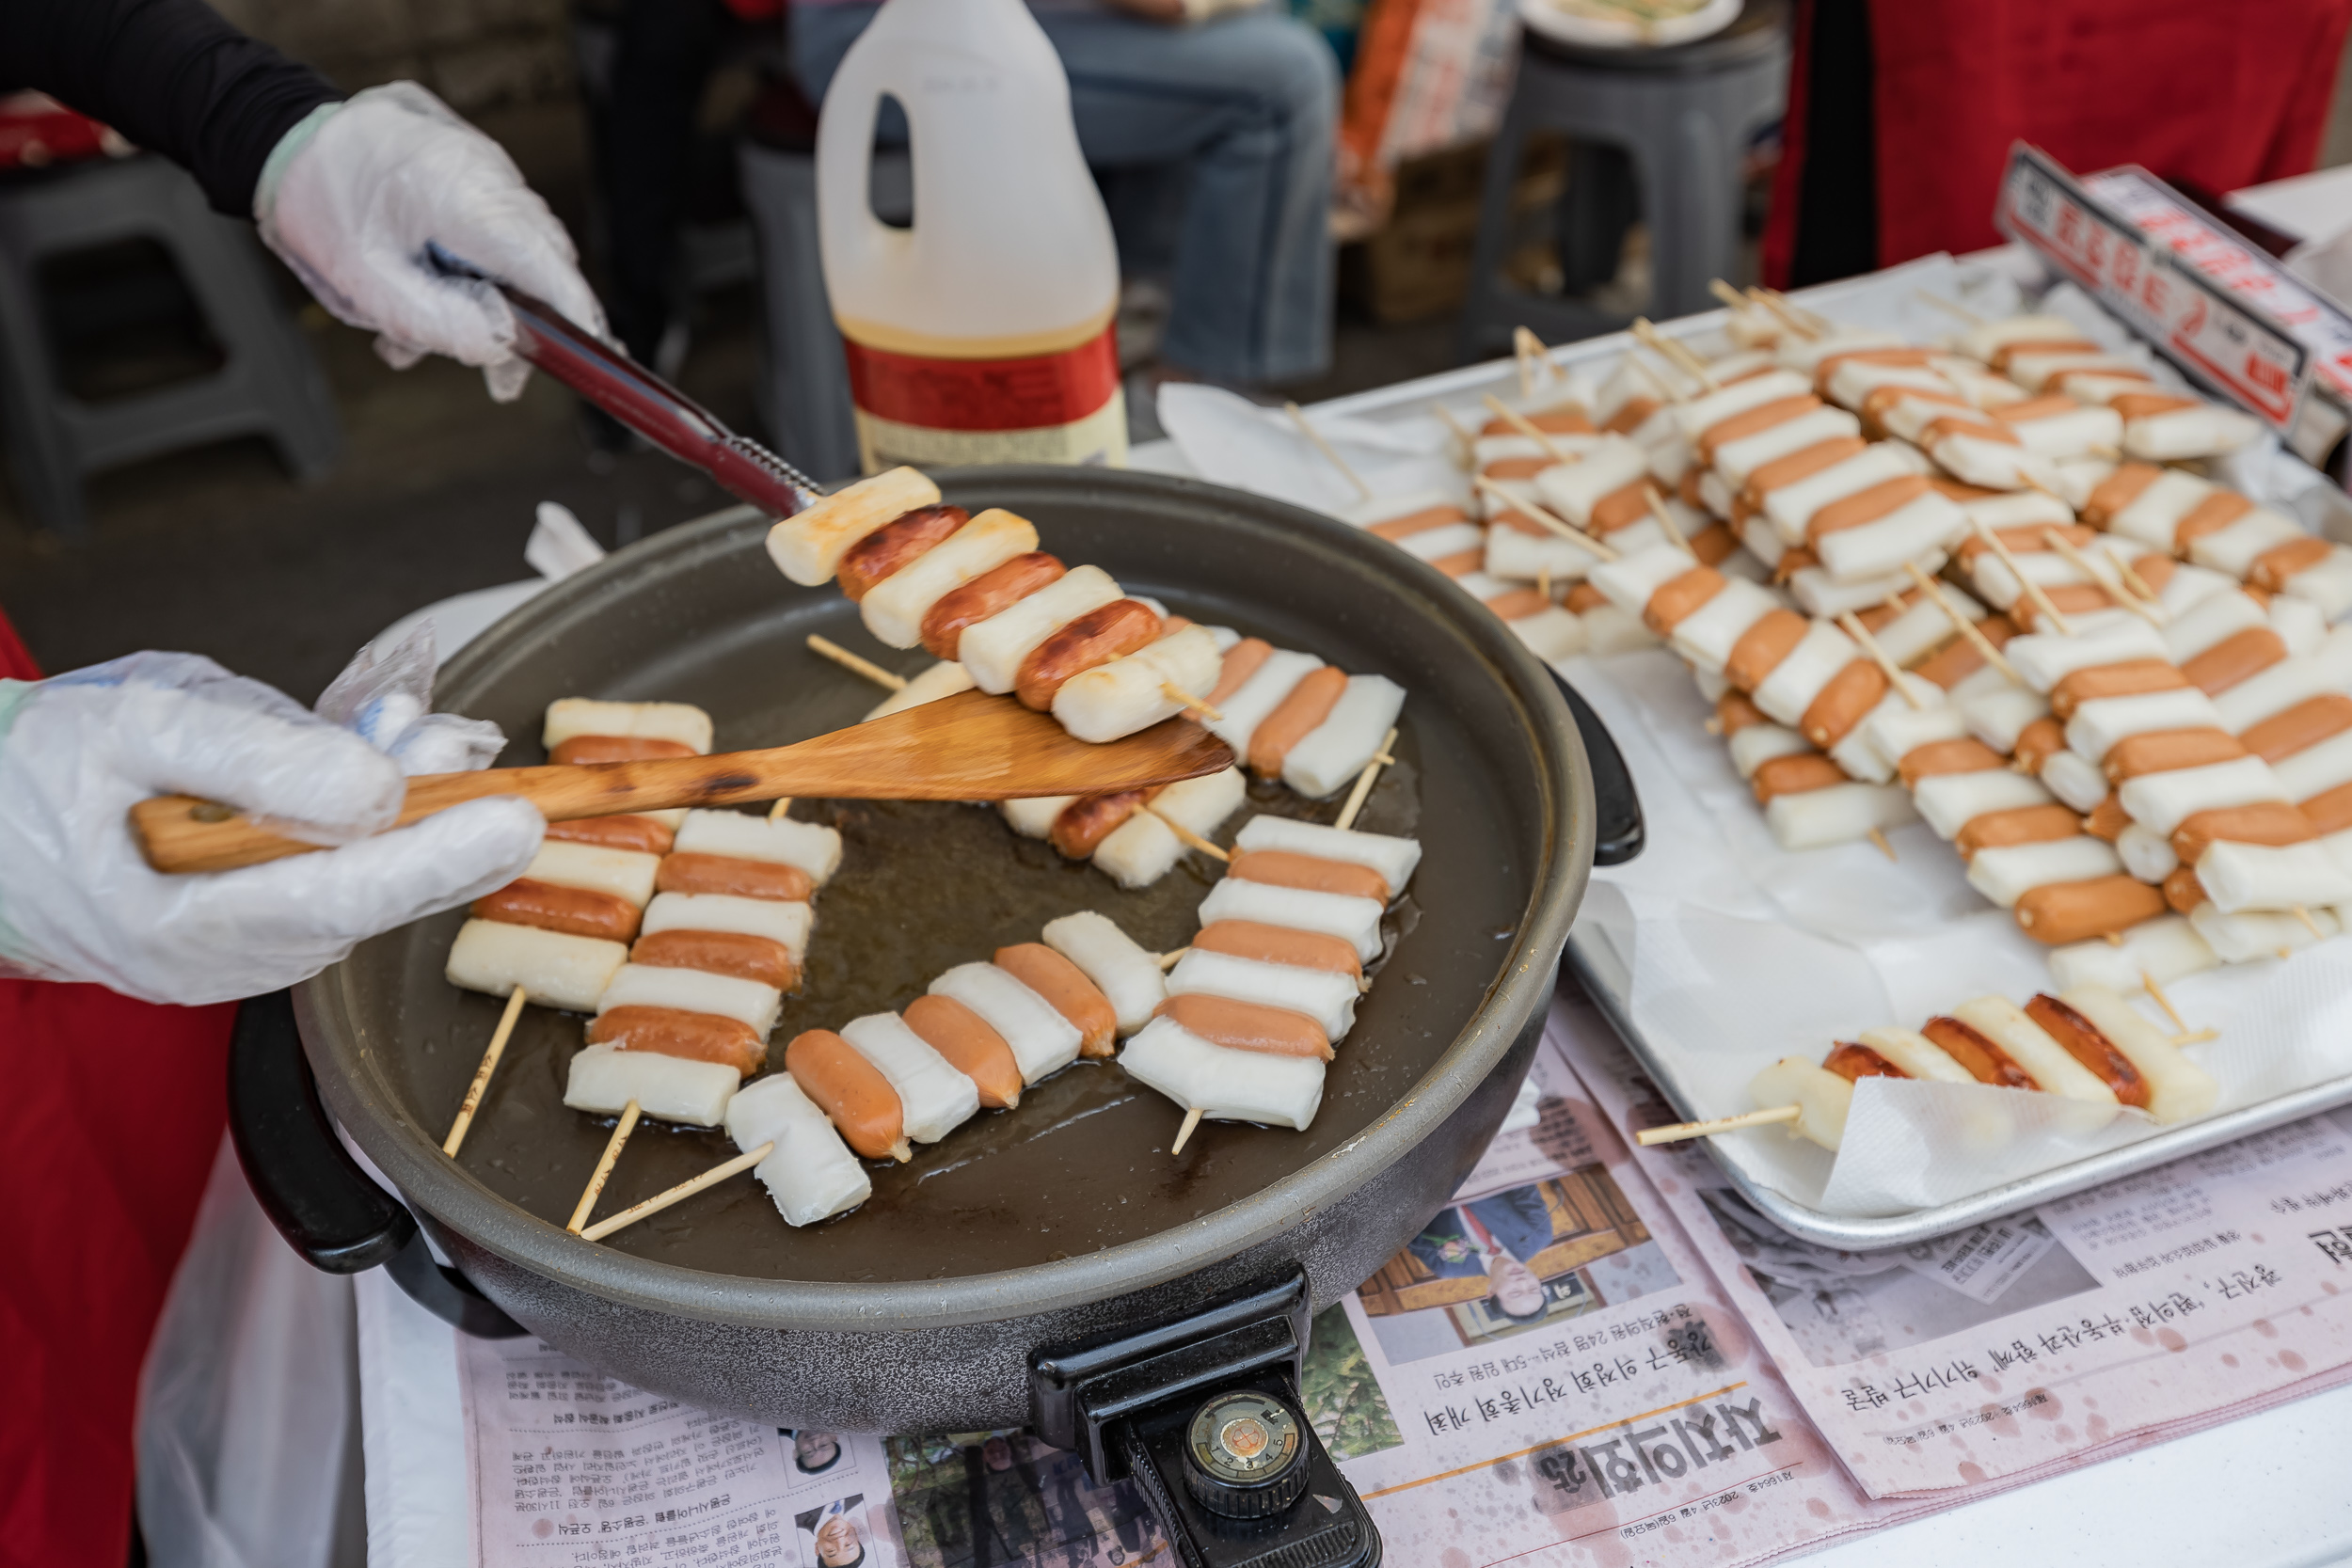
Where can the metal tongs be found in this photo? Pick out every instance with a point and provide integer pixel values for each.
(641, 399)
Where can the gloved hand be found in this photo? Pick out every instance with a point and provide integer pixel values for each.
(353, 194)
(77, 902)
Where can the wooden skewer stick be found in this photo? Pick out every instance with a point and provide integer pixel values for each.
(1190, 839)
(1168, 959)
(2110, 587)
(1527, 427)
(1651, 375)
(1543, 581)
(1314, 438)
(1363, 783)
(612, 1146)
(2113, 939)
(1788, 315)
(1468, 442)
(1878, 837)
(826, 647)
(1966, 628)
(1733, 299)
(1949, 308)
(2308, 924)
(678, 1194)
(1529, 351)
(2137, 583)
(2163, 1001)
(782, 809)
(1548, 517)
(1860, 633)
(2033, 590)
(1175, 694)
(1677, 354)
(2197, 1037)
(1819, 323)
(474, 1091)
(1675, 1132)
(1666, 518)
(1184, 1134)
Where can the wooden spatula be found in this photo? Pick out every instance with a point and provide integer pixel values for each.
(967, 747)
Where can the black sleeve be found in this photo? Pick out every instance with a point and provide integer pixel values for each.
(171, 76)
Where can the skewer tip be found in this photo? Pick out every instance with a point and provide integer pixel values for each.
(1184, 1134)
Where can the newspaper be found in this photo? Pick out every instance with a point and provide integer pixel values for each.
(2189, 1294)
(1587, 1353)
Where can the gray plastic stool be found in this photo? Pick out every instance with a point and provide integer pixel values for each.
(268, 383)
(803, 385)
(1683, 115)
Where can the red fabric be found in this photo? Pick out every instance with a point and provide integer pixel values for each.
(755, 10)
(2222, 96)
(113, 1114)
(1777, 249)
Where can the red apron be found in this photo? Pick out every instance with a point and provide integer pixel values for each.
(2217, 95)
(109, 1129)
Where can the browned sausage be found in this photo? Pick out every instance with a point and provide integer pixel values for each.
(2089, 1044)
(1461, 564)
(971, 1047)
(1999, 830)
(2330, 810)
(1518, 604)
(2037, 741)
(1798, 773)
(2233, 659)
(1086, 822)
(2067, 599)
(2182, 890)
(2155, 571)
(1551, 421)
(1854, 1062)
(1966, 755)
(1241, 662)
(1584, 599)
(852, 1090)
(2163, 750)
(1984, 1061)
(1419, 522)
(1247, 1025)
(643, 834)
(2210, 515)
(617, 748)
(1714, 544)
(573, 911)
(1735, 711)
(1752, 421)
(1280, 944)
(2300, 727)
(1673, 601)
(1802, 464)
(2023, 539)
(2007, 352)
(2272, 568)
(2271, 823)
(1514, 468)
(1288, 868)
(2107, 819)
(984, 596)
(1310, 703)
(1621, 508)
(1844, 702)
(2133, 677)
(895, 545)
(690, 873)
(674, 1032)
(2062, 912)
(1762, 647)
(1865, 506)
(1631, 415)
(1065, 985)
(1099, 635)
(2118, 491)
(737, 952)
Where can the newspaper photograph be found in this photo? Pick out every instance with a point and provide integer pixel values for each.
(2196, 1292)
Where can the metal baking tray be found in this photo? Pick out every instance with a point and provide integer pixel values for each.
(1607, 981)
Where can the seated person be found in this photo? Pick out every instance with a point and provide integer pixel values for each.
(1247, 102)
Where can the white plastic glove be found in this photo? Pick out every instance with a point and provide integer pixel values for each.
(78, 903)
(351, 195)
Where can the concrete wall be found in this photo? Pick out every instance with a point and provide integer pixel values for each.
(478, 55)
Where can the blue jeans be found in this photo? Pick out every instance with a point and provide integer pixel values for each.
(1249, 105)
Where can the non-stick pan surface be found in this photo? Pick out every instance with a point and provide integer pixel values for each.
(1489, 778)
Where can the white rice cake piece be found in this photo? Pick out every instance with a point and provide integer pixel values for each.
(2053, 1069)
(1388, 509)
(2146, 855)
(1818, 592)
(2290, 681)
(1521, 556)
(2075, 780)
(1736, 460)
(893, 608)
(1816, 818)
(1755, 745)
(1987, 338)
(994, 649)
(1043, 1042)
(933, 1098)
(2210, 622)
(808, 546)
(1572, 489)
(693, 991)
(554, 968)
(1131, 692)
(1033, 816)
(1851, 383)
(1823, 1098)
(1997, 717)
(1435, 544)
(1705, 636)
(1130, 978)
(2044, 659)
(2154, 514)
(1550, 634)
(2301, 624)
(778, 841)
(2253, 934)
(1222, 1084)
(1355, 921)
(778, 920)
(1922, 628)
(1630, 580)
(2160, 801)
(2207, 431)
(2007, 874)
(1325, 995)
(1609, 630)
(2072, 433)
(2240, 877)
(943, 679)
(1328, 757)
(1791, 506)
(1259, 695)
(626, 874)
(2232, 551)
(811, 1175)
(2022, 510)
(1915, 1055)
(1949, 801)
(1806, 354)
(1995, 464)
(2099, 724)
(1913, 531)
(1709, 409)
(571, 717)
(1142, 849)
(2167, 947)
(1798, 678)
(1394, 858)
(2329, 584)
(603, 1078)
(2315, 769)
(1894, 733)
(2178, 1089)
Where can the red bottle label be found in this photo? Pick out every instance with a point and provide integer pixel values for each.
(1025, 393)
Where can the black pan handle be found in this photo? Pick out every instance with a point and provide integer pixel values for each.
(1618, 831)
(329, 1210)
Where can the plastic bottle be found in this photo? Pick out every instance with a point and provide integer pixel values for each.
(984, 333)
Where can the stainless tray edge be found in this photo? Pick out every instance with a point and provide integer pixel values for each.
(1603, 979)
